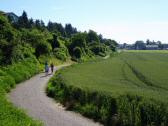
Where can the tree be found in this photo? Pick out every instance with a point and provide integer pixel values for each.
(56, 28)
(111, 43)
(77, 40)
(23, 21)
(37, 24)
(31, 23)
(42, 48)
(92, 36)
(50, 26)
(70, 30)
(54, 42)
(77, 52)
(7, 41)
(60, 29)
(101, 38)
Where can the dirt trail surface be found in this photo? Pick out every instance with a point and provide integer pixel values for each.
(30, 96)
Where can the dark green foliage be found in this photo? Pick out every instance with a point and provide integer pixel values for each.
(6, 31)
(70, 30)
(23, 21)
(31, 23)
(77, 40)
(7, 82)
(98, 48)
(78, 43)
(22, 51)
(56, 28)
(77, 52)
(20, 73)
(54, 42)
(61, 53)
(38, 40)
(14, 35)
(111, 43)
(92, 36)
(39, 24)
(7, 41)
(42, 48)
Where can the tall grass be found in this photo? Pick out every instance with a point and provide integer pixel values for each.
(9, 76)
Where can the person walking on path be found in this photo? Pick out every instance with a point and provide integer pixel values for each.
(46, 68)
(52, 67)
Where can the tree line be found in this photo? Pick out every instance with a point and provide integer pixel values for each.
(25, 37)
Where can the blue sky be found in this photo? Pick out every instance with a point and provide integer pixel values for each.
(122, 20)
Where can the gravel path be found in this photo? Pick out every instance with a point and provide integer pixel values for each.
(30, 96)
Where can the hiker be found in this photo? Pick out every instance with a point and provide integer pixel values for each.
(52, 67)
(46, 68)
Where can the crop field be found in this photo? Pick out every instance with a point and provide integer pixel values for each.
(136, 80)
(141, 73)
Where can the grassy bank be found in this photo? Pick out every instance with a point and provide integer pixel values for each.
(129, 89)
(9, 77)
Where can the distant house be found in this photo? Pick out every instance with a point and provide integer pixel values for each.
(140, 45)
(152, 47)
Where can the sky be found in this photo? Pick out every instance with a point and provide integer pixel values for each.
(122, 20)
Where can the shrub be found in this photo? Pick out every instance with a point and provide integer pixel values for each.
(61, 53)
(77, 52)
(42, 48)
(7, 82)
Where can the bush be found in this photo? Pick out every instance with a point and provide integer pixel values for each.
(42, 48)
(61, 53)
(7, 82)
(98, 48)
(78, 40)
(89, 110)
(21, 52)
(22, 70)
(77, 52)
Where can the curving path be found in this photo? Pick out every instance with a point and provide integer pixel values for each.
(30, 96)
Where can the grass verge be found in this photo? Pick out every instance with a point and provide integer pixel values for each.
(9, 77)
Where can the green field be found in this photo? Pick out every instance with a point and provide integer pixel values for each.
(136, 80)
(142, 73)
